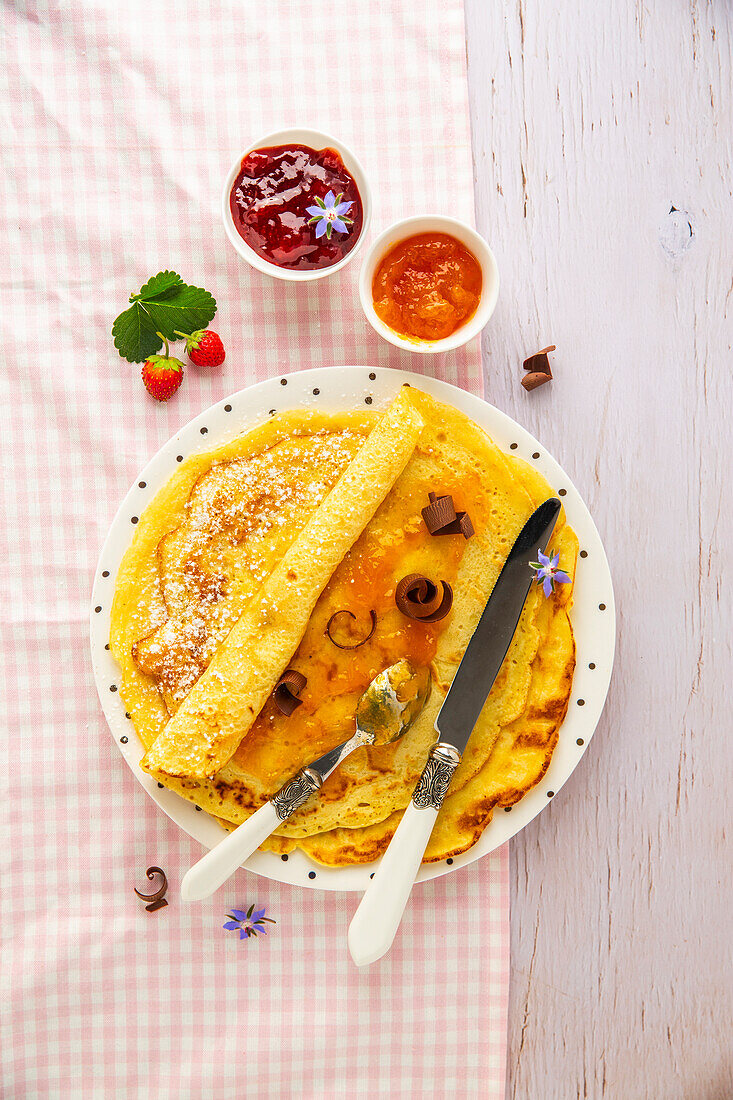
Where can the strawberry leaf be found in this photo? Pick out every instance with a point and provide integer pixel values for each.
(160, 284)
(164, 304)
(135, 335)
(182, 307)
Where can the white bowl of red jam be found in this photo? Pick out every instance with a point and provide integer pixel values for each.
(429, 284)
(297, 205)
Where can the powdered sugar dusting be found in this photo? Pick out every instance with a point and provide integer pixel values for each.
(239, 520)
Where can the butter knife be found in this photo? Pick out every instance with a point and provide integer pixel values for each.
(378, 917)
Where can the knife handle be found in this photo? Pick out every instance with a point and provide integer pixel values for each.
(213, 869)
(378, 917)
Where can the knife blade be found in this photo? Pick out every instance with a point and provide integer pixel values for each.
(492, 637)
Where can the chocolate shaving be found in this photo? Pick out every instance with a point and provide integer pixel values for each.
(154, 906)
(157, 900)
(422, 599)
(340, 645)
(287, 690)
(441, 517)
(464, 522)
(534, 379)
(440, 512)
(539, 364)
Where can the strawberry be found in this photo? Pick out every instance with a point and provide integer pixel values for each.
(162, 375)
(204, 348)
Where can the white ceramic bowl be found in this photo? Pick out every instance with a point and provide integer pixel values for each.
(431, 223)
(316, 139)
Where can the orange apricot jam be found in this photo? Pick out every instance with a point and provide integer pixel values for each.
(276, 746)
(427, 286)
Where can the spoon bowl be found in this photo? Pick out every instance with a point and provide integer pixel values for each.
(391, 703)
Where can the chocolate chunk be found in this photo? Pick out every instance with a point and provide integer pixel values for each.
(438, 513)
(289, 687)
(157, 900)
(534, 379)
(441, 517)
(356, 645)
(422, 599)
(465, 525)
(539, 363)
(155, 905)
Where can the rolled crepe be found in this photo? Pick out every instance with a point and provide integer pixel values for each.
(208, 727)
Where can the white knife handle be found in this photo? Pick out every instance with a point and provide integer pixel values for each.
(222, 861)
(378, 917)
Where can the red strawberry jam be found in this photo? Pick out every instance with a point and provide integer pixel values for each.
(269, 200)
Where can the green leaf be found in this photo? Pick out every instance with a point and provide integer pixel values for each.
(135, 336)
(161, 283)
(164, 304)
(182, 307)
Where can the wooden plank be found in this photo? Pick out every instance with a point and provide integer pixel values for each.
(603, 169)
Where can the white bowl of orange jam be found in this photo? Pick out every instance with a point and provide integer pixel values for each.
(429, 284)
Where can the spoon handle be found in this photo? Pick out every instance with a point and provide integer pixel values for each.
(213, 869)
(378, 917)
(206, 876)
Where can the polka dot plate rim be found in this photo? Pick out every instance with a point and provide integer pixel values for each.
(339, 388)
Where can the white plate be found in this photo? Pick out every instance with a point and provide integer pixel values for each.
(336, 388)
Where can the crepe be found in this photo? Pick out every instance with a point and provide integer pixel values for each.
(221, 706)
(355, 813)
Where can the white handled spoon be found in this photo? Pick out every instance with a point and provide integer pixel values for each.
(385, 711)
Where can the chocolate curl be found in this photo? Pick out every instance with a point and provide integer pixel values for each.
(419, 598)
(157, 900)
(287, 690)
(441, 517)
(340, 645)
(539, 364)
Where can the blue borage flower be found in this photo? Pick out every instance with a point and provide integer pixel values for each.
(548, 574)
(329, 214)
(248, 924)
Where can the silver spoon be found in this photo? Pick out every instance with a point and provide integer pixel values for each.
(385, 711)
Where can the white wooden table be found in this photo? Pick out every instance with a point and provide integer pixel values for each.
(604, 175)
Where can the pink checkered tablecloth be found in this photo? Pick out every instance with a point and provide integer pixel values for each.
(119, 123)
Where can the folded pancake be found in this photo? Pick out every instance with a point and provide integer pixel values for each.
(206, 542)
(184, 576)
(224, 702)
